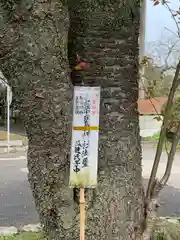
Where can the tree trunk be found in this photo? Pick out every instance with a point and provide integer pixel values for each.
(105, 34)
(34, 58)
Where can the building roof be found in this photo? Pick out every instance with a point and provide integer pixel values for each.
(151, 106)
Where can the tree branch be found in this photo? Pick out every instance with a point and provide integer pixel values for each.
(173, 16)
(174, 144)
(175, 84)
(171, 31)
(151, 219)
(155, 186)
(170, 47)
(150, 99)
(166, 65)
(152, 204)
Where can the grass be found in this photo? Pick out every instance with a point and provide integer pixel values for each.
(162, 233)
(168, 146)
(160, 236)
(24, 236)
(165, 230)
(13, 136)
(39, 236)
(155, 137)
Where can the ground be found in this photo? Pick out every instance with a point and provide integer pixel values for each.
(17, 133)
(24, 236)
(17, 206)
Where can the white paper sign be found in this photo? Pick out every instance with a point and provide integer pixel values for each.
(85, 136)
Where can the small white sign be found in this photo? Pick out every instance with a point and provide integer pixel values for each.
(85, 136)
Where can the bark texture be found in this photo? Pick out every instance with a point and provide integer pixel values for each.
(33, 55)
(105, 34)
(33, 49)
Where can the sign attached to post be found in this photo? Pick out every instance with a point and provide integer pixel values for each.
(85, 136)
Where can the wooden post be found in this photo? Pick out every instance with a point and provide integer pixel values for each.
(82, 214)
(87, 174)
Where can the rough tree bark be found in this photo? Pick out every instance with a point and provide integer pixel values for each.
(33, 50)
(105, 34)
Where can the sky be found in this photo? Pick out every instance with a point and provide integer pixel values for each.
(158, 17)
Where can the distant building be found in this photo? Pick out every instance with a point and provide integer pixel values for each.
(150, 110)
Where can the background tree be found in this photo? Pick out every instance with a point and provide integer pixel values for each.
(174, 119)
(160, 69)
(158, 84)
(156, 185)
(165, 53)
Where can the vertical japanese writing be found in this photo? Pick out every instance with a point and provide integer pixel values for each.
(77, 156)
(85, 154)
(82, 107)
(86, 133)
(79, 105)
(94, 105)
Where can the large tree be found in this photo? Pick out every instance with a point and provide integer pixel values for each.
(34, 58)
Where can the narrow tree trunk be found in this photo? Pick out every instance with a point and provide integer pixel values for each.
(105, 34)
(33, 51)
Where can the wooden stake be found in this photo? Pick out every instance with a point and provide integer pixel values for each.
(82, 214)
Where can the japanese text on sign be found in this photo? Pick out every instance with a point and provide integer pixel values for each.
(84, 150)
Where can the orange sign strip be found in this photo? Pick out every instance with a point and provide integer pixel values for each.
(88, 128)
